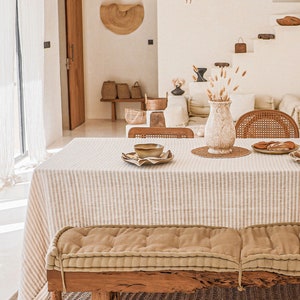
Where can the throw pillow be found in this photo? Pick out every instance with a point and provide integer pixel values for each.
(240, 104)
(198, 106)
(264, 102)
(289, 103)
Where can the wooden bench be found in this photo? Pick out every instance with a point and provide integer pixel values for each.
(107, 260)
(117, 100)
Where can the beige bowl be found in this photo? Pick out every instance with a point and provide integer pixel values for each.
(148, 150)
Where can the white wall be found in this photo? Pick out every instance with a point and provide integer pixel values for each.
(52, 104)
(200, 33)
(122, 58)
(205, 32)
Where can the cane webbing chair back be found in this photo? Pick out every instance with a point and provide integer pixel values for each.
(160, 132)
(266, 124)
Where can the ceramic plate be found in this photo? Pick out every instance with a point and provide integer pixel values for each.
(133, 158)
(274, 152)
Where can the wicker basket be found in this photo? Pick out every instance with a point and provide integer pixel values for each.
(134, 116)
(123, 91)
(136, 91)
(109, 90)
(155, 103)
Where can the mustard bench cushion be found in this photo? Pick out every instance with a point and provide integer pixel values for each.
(145, 248)
(274, 248)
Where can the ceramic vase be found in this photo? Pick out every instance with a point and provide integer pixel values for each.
(200, 74)
(177, 91)
(219, 131)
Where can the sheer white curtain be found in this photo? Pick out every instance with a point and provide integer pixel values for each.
(7, 56)
(31, 23)
(31, 26)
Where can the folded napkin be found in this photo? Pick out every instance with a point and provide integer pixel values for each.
(133, 158)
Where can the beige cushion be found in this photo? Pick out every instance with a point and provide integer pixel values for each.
(264, 102)
(193, 121)
(274, 248)
(134, 248)
(240, 104)
(198, 107)
(290, 104)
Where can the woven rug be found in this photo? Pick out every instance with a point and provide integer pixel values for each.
(277, 292)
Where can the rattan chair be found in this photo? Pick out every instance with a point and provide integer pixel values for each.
(266, 124)
(160, 132)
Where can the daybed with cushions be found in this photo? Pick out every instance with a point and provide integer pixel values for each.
(192, 111)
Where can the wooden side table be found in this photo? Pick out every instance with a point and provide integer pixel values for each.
(115, 101)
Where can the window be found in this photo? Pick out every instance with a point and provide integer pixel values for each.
(19, 123)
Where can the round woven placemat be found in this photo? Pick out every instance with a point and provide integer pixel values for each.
(236, 152)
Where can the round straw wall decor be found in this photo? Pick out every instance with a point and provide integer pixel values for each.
(122, 19)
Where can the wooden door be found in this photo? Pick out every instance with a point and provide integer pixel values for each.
(75, 62)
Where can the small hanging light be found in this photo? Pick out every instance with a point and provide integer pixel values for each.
(188, 1)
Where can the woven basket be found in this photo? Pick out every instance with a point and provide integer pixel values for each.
(123, 91)
(136, 91)
(109, 90)
(155, 103)
(134, 116)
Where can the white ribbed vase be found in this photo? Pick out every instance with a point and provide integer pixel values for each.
(219, 131)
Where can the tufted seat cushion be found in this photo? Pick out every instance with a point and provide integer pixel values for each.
(274, 248)
(142, 248)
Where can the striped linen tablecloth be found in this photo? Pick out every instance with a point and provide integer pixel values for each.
(87, 183)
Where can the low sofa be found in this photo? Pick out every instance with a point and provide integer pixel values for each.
(192, 110)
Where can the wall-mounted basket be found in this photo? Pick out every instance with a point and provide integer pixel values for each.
(122, 19)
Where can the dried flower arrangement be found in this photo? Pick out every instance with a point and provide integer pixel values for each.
(222, 85)
(178, 82)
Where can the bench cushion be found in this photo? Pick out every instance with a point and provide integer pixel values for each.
(274, 248)
(145, 248)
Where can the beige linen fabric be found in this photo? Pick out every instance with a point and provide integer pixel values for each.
(272, 248)
(134, 248)
(88, 183)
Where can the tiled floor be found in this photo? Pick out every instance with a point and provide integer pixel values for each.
(13, 202)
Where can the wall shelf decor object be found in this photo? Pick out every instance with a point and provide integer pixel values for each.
(122, 19)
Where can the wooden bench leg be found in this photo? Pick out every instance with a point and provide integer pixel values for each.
(115, 296)
(98, 295)
(56, 295)
(113, 111)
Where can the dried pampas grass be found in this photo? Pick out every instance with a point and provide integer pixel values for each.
(220, 87)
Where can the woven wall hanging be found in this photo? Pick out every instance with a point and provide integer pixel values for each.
(122, 19)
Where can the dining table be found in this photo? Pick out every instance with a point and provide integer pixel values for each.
(89, 183)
